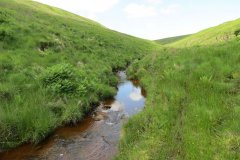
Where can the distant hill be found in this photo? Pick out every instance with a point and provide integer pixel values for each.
(171, 39)
(221, 33)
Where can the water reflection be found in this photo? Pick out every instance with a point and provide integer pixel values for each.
(136, 95)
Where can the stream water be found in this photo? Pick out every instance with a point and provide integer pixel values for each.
(96, 137)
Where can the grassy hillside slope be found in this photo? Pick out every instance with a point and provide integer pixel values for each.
(222, 33)
(54, 66)
(171, 39)
(193, 101)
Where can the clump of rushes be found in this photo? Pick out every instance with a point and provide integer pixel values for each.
(64, 79)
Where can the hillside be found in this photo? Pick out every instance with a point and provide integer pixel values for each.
(171, 39)
(222, 33)
(193, 94)
(54, 68)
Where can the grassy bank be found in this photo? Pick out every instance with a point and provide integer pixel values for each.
(54, 66)
(193, 101)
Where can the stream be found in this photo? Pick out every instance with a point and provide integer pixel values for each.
(94, 138)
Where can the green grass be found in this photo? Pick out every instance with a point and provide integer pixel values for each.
(170, 40)
(193, 101)
(54, 67)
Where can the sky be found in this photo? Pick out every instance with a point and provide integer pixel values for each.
(153, 19)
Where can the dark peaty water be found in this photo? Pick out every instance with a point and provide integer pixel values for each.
(95, 138)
